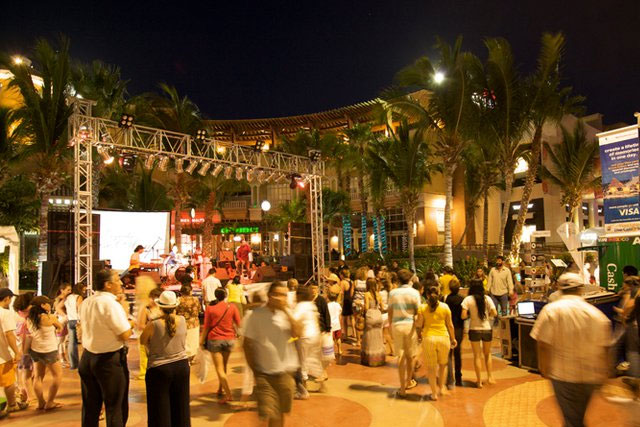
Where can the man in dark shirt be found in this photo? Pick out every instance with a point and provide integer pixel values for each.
(454, 301)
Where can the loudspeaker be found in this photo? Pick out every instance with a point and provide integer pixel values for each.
(303, 268)
(300, 246)
(265, 274)
(299, 229)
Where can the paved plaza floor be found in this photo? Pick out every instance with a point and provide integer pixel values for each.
(357, 396)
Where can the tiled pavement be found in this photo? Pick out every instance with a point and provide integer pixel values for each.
(357, 396)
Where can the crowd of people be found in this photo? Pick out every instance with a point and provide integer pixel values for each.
(290, 334)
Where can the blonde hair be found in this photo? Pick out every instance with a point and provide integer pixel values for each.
(361, 273)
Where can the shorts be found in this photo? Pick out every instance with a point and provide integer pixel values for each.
(404, 339)
(476, 335)
(220, 346)
(274, 394)
(7, 374)
(46, 358)
(337, 334)
(436, 350)
(26, 362)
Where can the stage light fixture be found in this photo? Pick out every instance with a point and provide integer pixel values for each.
(148, 163)
(250, 175)
(296, 179)
(221, 149)
(204, 169)
(201, 135)
(265, 147)
(259, 145)
(228, 171)
(107, 158)
(216, 171)
(126, 121)
(260, 176)
(163, 164)
(193, 164)
(239, 174)
(315, 155)
(179, 165)
(127, 162)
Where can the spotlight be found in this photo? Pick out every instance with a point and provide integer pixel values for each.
(250, 175)
(107, 158)
(301, 183)
(204, 168)
(148, 163)
(265, 147)
(221, 149)
(228, 171)
(179, 164)
(239, 174)
(216, 171)
(260, 176)
(193, 164)
(163, 164)
(259, 145)
(315, 155)
(438, 77)
(296, 179)
(201, 135)
(128, 163)
(126, 121)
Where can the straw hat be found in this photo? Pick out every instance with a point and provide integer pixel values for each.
(168, 299)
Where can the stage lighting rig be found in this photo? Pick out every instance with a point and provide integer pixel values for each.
(179, 165)
(239, 174)
(126, 121)
(228, 171)
(148, 163)
(259, 145)
(296, 181)
(315, 155)
(260, 176)
(201, 135)
(107, 158)
(216, 171)
(204, 169)
(193, 164)
(163, 164)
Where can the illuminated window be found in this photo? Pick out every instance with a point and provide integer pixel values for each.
(522, 166)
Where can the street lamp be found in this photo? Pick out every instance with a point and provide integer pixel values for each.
(438, 77)
(265, 205)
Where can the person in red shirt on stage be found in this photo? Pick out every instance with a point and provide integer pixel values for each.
(243, 256)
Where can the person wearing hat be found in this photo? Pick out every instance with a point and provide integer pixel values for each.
(167, 377)
(9, 354)
(573, 339)
(103, 370)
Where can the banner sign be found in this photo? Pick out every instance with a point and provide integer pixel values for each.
(620, 160)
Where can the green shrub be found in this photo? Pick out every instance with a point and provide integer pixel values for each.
(465, 269)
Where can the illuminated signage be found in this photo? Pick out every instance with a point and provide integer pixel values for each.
(239, 230)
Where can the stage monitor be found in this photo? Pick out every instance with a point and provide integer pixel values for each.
(121, 232)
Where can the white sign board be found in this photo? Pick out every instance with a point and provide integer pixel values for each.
(541, 233)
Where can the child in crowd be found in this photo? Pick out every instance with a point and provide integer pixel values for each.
(335, 310)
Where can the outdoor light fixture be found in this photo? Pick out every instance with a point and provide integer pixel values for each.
(221, 149)
(127, 162)
(438, 77)
(163, 164)
(126, 121)
(260, 176)
(265, 205)
(148, 163)
(201, 135)
(315, 155)
(239, 173)
(107, 158)
(265, 147)
(259, 145)
(204, 169)
(296, 179)
(249, 175)
(17, 60)
(193, 164)
(228, 171)
(179, 164)
(216, 171)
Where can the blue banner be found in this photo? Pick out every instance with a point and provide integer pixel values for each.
(620, 161)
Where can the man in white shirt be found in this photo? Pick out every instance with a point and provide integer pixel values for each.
(209, 286)
(573, 342)
(9, 353)
(500, 284)
(271, 354)
(103, 368)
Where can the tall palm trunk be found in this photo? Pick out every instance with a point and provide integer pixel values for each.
(43, 238)
(207, 237)
(178, 225)
(410, 217)
(448, 241)
(508, 179)
(485, 226)
(575, 214)
(526, 192)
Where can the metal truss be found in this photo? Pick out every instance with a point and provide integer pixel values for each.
(86, 131)
(80, 137)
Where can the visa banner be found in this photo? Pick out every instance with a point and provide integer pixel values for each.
(620, 161)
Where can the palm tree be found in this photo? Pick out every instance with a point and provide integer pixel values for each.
(8, 141)
(116, 188)
(43, 120)
(150, 194)
(335, 204)
(103, 84)
(500, 97)
(405, 159)
(548, 103)
(292, 211)
(449, 113)
(573, 168)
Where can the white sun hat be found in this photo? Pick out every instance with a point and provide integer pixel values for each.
(168, 299)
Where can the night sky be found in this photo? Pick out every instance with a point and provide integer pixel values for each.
(240, 59)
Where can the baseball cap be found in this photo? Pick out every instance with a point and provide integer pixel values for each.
(6, 292)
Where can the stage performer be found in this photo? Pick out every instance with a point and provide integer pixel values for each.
(243, 256)
(134, 265)
(197, 262)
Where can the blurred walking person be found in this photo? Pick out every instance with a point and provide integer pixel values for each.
(309, 343)
(71, 305)
(573, 343)
(25, 365)
(9, 354)
(373, 352)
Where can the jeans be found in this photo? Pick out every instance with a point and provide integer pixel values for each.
(573, 399)
(104, 378)
(502, 303)
(72, 347)
(168, 395)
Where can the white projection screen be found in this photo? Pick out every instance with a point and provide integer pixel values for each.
(121, 232)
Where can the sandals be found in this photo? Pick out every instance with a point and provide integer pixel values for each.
(412, 384)
(53, 407)
(19, 406)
